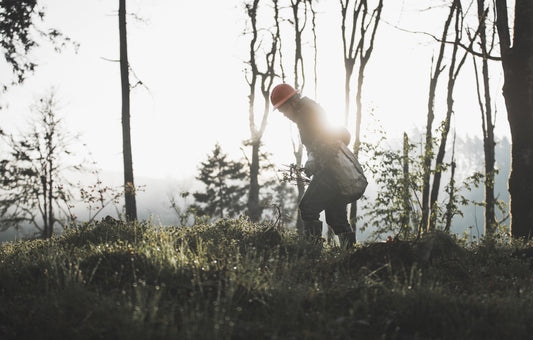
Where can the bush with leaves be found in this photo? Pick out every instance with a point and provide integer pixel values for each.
(396, 209)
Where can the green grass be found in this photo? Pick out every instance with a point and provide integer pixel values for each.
(237, 280)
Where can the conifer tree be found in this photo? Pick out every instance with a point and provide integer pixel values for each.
(225, 190)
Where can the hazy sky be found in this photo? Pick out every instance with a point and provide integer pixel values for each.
(190, 54)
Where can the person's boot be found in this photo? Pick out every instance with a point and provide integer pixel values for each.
(313, 229)
(347, 240)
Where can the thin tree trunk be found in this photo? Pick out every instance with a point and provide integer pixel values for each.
(406, 205)
(517, 64)
(298, 71)
(350, 54)
(253, 194)
(428, 147)
(44, 213)
(50, 230)
(300, 186)
(267, 78)
(439, 161)
(487, 124)
(357, 142)
(315, 49)
(129, 186)
(347, 78)
(254, 210)
(451, 200)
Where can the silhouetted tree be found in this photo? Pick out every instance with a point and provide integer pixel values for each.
(299, 14)
(129, 185)
(428, 146)
(266, 78)
(454, 68)
(517, 62)
(487, 120)
(353, 52)
(225, 188)
(33, 187)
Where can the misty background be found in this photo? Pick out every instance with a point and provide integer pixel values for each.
(191, 58)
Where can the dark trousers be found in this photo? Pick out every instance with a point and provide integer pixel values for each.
(322, 194)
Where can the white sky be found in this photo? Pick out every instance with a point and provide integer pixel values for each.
(191, 56)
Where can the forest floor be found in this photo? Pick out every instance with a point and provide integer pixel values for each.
(237, 280)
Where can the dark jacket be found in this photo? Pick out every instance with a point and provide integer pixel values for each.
(329, 160)
(320, 142)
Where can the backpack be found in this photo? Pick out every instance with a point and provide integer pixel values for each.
(348, 174)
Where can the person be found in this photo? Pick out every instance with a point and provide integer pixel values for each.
(327, 156)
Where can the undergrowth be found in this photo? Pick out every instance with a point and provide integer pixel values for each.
(238, 280)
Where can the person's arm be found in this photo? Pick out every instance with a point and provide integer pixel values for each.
(310, 166)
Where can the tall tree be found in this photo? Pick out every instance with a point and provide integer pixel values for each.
(129, 186)
(33, 187)
(266, 78)
(487, 120)
(517, 62)
(299, 83)
(428, 145)
(454, 68)
(357, 52)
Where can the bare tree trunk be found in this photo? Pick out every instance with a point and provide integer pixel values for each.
(253, 194)
(453, 72)
(517, 61)
(348, 51)
(254, 210)
(487, 122)
(44, 212)
(487, 127)
(406, 205)
(298, 30)
(298, 73)
(300, 186)
(315, 49)
(129, 186)
(428, 147)
(451, 197)
(267, 78)
(50, 230)
(353, 52)
(347, 78)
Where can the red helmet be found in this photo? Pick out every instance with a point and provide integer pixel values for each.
(281, 93)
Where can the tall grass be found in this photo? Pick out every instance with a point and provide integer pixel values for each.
(238, 280)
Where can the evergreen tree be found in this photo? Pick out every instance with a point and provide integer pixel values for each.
(225, 190)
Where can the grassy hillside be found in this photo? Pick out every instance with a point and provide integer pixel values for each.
(236, 280)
